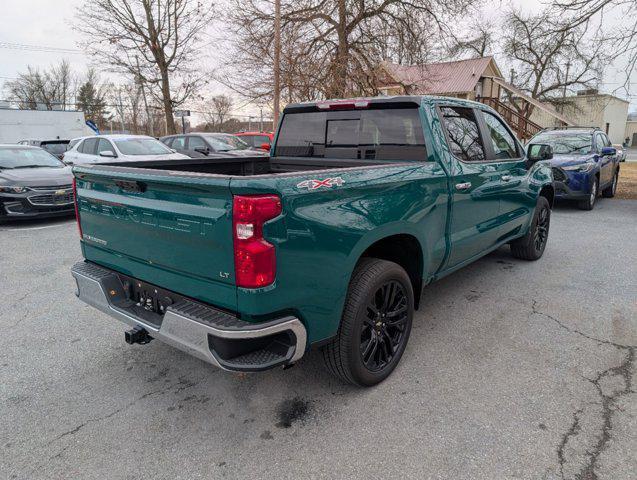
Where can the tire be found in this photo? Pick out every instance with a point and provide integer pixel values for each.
(531, 246)
(369, 345)
(589, 203)
(609, 192)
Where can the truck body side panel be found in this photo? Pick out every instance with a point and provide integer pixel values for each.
(324, 231)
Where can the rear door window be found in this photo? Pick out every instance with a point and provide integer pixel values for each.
(179, 143)
(259, 140)
(195, 142)
(249, 139)
(89, 146)
(463, 134)
(104, 146)
(379, 134)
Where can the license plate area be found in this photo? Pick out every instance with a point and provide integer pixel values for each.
(147, 297)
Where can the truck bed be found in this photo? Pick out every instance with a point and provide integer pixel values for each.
(244, 166)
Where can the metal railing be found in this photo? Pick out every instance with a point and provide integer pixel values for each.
(522, 126)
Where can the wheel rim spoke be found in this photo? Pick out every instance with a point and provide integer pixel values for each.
(383, 330)
(370, 349)
(541, 229)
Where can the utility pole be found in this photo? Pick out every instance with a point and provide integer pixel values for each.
(261, 119)
(512, 75)
(141, 85)
(121, 108)
(277, 60)
(568, 67)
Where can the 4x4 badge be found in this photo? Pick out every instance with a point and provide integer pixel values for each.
(313, 184)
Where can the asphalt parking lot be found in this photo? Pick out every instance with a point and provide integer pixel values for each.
(514, 370)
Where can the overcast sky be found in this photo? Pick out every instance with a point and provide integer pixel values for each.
(46, 23)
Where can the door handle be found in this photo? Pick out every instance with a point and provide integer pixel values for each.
(463, 186)
(506, 178)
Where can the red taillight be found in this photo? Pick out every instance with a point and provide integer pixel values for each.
(77, 210)
(254, 258)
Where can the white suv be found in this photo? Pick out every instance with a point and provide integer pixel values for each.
(120, 148)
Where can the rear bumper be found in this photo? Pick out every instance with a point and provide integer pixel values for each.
(212, 335)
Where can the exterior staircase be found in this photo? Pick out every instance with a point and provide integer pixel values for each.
(522, 126)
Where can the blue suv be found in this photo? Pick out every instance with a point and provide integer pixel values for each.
(584, 163)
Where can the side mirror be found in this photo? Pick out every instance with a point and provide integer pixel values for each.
(608, 151)
(265, 146)
(67, 162)
(203, 150)
(539, 151)
(108, 154)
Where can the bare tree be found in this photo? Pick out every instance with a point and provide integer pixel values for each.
(216, 111)
(621, 39)
(550, 57)
(51, 89)
(479, 41)
(153, 40)
(332, 48)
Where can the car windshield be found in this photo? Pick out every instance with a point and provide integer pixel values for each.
(55, 148)
(15, 157)
(141, 146)
(566, 143)
(224, 143)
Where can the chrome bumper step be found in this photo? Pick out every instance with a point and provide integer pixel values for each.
(205, 332)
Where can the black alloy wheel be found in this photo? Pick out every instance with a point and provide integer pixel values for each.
(541, 234)
(383, 330)
(375, 325)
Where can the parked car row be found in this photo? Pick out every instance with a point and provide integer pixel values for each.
(584, 163)
(198, 145)
(35, 182)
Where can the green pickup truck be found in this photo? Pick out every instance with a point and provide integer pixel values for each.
(247, 262)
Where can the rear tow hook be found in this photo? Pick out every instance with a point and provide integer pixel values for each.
(137, 335)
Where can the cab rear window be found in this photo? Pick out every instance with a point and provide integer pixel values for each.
(388, 134)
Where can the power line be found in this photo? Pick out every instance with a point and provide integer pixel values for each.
(39, 48)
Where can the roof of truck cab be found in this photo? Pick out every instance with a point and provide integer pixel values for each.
(394, 100)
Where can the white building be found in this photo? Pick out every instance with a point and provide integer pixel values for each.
(589, 108)
(16, 125)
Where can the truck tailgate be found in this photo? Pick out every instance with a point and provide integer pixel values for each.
(167, 229)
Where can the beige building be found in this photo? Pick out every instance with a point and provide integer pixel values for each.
(592, 109)
(631, 133)
(476, 79)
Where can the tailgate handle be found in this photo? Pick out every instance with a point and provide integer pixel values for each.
(137, 187)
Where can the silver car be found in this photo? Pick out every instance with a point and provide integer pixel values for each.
(120, 148)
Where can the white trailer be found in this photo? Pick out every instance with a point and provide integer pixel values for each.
(16, 125)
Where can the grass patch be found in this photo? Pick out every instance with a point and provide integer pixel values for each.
(627, 186)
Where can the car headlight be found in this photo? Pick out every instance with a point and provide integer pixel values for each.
(12, 189)
(580, 167)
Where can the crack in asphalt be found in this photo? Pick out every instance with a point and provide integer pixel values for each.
(73, 431)
(573, 431)
(578, 332)
(181, 385)
(609, 407)
(624, 371)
